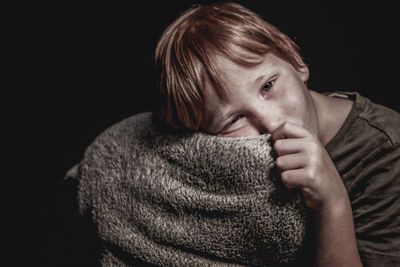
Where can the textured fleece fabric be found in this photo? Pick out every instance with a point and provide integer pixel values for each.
(188, 199)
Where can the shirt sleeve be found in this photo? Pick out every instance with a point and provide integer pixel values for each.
(376, 209)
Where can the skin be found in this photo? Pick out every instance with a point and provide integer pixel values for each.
(273, 98)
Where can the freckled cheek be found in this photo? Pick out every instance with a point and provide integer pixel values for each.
(274, 116)
(291, 107)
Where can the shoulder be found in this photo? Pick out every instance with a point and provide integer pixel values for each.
(381, 118)
(373, 118)
(368, 125)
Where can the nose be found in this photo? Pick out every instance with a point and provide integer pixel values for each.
(265, 120)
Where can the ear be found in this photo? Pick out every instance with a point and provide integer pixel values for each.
(304, 73)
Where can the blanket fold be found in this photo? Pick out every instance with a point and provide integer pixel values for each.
(188, 199)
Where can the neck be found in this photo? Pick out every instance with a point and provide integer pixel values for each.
(332, 112)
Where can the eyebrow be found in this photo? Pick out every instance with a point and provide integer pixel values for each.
(259, 80)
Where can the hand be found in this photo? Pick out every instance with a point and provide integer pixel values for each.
(304, 163)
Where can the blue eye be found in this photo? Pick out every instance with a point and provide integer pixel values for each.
(267, 86)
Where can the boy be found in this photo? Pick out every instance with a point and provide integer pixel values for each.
(227, 72)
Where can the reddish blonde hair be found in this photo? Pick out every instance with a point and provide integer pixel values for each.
(187, 53)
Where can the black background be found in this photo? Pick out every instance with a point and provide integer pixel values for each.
(82, 67)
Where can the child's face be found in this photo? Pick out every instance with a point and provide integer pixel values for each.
(259, 99)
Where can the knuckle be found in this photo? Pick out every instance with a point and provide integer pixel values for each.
(313, 160)
(286, 126)
(310, 159)
(311, 175)
(313, 146)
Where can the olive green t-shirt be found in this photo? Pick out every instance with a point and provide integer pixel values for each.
(366, 152)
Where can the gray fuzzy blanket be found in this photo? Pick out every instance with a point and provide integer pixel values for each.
(188, 200)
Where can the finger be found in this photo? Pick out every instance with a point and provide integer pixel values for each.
(290, 162)
(288, 146)
(289, 130)
(294, 178)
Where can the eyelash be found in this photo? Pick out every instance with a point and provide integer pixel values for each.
(235, 119)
